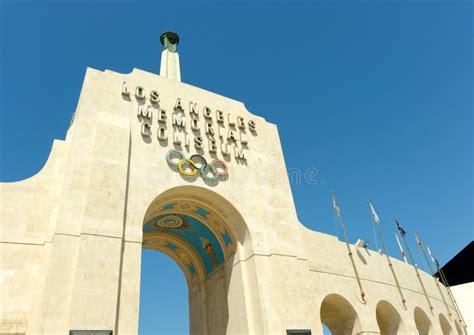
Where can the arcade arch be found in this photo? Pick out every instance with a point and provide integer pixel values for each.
(338, 315)
(445, 326)
(423, 323)
(388, 318)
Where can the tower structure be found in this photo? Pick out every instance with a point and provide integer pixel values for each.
(169, 56)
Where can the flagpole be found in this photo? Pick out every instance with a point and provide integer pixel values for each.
(448, 288)
(377, 228)
(401, 249)
(450, 293)
(415, 267)
(418, 241)
(349, 252)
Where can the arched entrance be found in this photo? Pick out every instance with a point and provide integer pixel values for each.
(388, 319)
(445, 326)
(201, 232)
(423, 323)
(338, 315)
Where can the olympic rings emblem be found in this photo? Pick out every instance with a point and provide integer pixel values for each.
(188, 167)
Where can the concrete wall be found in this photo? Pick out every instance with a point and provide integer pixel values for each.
(464, 295)
(71, 236)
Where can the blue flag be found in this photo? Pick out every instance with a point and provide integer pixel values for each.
(400, 229)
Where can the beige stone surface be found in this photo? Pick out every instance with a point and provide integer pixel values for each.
(464, 295)
(71, 236)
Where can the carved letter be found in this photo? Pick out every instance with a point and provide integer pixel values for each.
(240, 154)
(179, 120)
(178, 105)
(194, 123)
(146, 114)
(154, 97)
(252, 126)
(140, 93)
(206, 111)
(241, 122)
(176, 139)
(220, 116)
(225, 149)
(230, 120)
(162, 133)
(193, 110)
(125, 91)
(209, 129)
(231, 135)
(186, 140)
(162, 116)
(146, 131)
(212, 146)
(198, 142)
(243, 138)
(219, 132)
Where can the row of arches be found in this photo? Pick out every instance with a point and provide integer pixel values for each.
(338, 315)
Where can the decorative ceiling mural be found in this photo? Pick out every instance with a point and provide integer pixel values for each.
(193, 232)
(193, 235)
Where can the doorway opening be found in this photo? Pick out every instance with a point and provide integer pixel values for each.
(423, 323)
(388, 319)
(445, 326)
(200, 231)
(338, 316)
(163, 296)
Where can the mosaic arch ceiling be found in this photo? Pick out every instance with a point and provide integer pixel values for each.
(194, 235)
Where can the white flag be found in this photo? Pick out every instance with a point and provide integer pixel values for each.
(374, 215)
(431, 255)
(433, 258)
(335, 205)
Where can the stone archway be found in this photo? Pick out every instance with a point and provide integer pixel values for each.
(445, 326)
(202, 232)
(423, 323)
(338, 315)
(388, 318)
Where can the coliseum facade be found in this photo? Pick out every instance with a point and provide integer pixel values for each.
(151, 162)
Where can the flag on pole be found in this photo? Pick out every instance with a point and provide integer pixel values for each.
(335, 205)
(431, 255)
(433, 258)
(374, 215)
(401, 249)
(400, 228)
(419, 242)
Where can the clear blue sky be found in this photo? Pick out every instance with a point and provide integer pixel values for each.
(383, 93)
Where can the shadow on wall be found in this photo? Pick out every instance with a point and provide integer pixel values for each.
(338, 315)
(458, 328)
(388, 319)
(445, 326)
